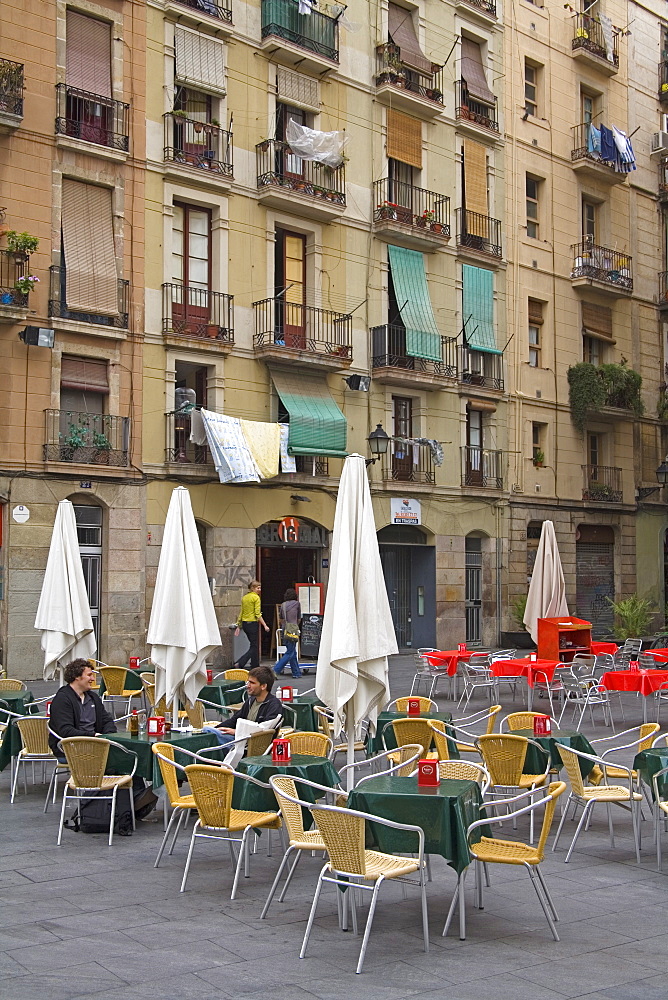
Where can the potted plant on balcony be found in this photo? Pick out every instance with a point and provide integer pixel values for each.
(212, 330)
(102, 446)
(20, 245)
(425, 220)
(26, 283)
(77, 437)
(180, 114)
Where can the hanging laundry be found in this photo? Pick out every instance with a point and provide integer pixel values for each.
(401, 445)
(608, 36)
(197, 431)
(625, 150)
(608, 148)
(264, 444)
(305, 7)
(231, 455)
(594, 141)
(288, 462)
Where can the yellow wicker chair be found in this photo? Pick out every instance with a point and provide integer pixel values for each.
(323, 716)
(212, 786)
(401, 704)
(196, 714)
(299, 839)
(589, 796)
(87, 759)
(11, 684)
(646, 734)
(311, 744)
(504, 755)
(259, 743)
(34, 731)
(464, 770)
(522, 720)
(411, 731)
(402, 762)
(181, 804)
(486, 715)
(236, 674)
(114, 683)
(490, 850)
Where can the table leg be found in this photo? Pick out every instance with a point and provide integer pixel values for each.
(644, 709)
(529, 697)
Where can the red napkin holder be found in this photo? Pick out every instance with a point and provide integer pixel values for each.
(286, 693)
(47, 709)
(134, 662)
(428, 773)
(461, 647)
(542, 725)
(280, 751)
(209, 675)
(413, 707)
(156, 725)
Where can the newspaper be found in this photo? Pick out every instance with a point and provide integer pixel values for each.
(243, 730)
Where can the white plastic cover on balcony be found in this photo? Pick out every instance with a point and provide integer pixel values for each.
(323, 147)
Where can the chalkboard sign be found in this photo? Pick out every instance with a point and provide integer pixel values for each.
(309, 640)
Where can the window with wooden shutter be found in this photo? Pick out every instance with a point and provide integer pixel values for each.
(84, 374)
(88, 244)
(536, 312)
(199, 60)
(597, 321)
(298, 89)
(475, 177)
(473, 72)
(404, 138)
(88, 54)
(402, 32)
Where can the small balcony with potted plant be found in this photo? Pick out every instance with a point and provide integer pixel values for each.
(302, 336)
(197, 316)
(86, 438)
(191, 145)
(588, 162)
(303, 187)
(607, 270)
(589, 44)
(92, 118)
(404, 88)
(410, 216)
(602, 484)
(609, 392)
(11, 96)
(309, 41)
(478, 118)
(392, 364)
(16, 283)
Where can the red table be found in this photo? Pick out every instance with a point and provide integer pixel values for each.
(531, 669)
(449, 658)
(604, 647)
(644, 682)
(660, 655)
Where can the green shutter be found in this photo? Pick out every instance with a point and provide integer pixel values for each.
(411, 291)
(478, 307)
(317, 425)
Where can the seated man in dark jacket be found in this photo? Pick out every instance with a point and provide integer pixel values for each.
(75, 709)
(259, 704)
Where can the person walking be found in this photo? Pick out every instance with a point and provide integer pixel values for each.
(290, 614)
(250, 618)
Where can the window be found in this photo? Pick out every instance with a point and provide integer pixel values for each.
(532, 187)
(401, 181)
(196, 104)
(199, 60)
(84, 384)
(290, 289)
(530, 88)
(402, 427)
(594, 450)
(88, 54)
(538, 443)
(589, 220)
(89, 536)
(586, 108)
(191, 269)
(88, 249)
(592, 350)
(535, 324)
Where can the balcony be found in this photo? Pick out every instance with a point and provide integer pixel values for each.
(663, 82)
(59, 309)
(11, 95)
(200, 145)
(86, 438)
(600, 267)
(391, 364)
(474, 115)
(409, 463)
(479, 233)
(220, 10)
(181, 449)
(303, 187)
(589, 46)
(602, 483)
(198, 314)
(13, 303)
(587, 163)
(92, 118)
(410, 216)
(308, 467)
(663, 290)
(310, 41)
(481, 369)
(404, 88)
(663, 180)
(289, 333)
(485, 10)
(482, 468)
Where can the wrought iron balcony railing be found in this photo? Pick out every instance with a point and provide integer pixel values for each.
(92, 118)
(12, 267)
(278, 166)
(297, 327)
(602, 483)
(663, 81)
(396, 201)
(222, 9)
(582, 147)
(197, 312)
(58, 306)
(314, 31)
(481, 368)
(485, 6)
(478, 232)
(181, 448)
(11, 87)
(663, 290)
(86, 438)
(388, 350)
(481, 467)
(588, 35)
(602, 264)
(390, 69)
(663, 178)
(468, 108)
(409, 463)
(197, 144)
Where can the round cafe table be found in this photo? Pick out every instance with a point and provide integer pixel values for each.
(532, 670)
(246, 795)
(648, 762)
(375, 743)
(644, 682)
(567, 737)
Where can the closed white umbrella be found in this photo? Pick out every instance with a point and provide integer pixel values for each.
(183, 629)
(63, 613)
(357, 631)
(547, 591)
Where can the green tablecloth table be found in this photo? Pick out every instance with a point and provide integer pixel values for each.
(444, 813)
(224, 692)
(305, 718)
(648, 762)
(569, 738)
(148, 765)
(17, 701)
(375, 743)
(249, 796)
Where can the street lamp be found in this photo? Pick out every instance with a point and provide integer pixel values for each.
(662, 477)
(378, 444)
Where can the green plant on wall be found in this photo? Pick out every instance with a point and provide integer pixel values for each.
(633, 617)
(591, 387)
(517, 609)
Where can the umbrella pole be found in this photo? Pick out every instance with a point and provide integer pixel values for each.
(175, 712)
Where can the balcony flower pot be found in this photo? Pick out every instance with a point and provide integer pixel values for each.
(212, 330)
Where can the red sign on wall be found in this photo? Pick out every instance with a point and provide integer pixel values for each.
(288, 529)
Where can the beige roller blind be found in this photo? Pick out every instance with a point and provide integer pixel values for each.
(84, 374)
(535, 312)
(404, 138)
(297, 89)
(475, 176)
(88, 242)
(88, 54)
(597, 320)
(473, 73)
(199, 59)
(402, 32)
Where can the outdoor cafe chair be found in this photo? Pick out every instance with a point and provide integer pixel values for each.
(522, 720)
(11, 684)
(659, 738)
(424, 670)
(34, 732)
(661, 696)
(504, 756)
(585, 693)
(632, 646)
(400, 762)
(478, 678)
(410, 730)
(180, 804)
(325, 719)
(115, 679)
(440, 737)
(196, 714)
(465, 770)
(643, 741)
(494, 851)
(588, 796)
(212, 786)
(475, 719)
(87, 760)
(234, 674)
(312, 744)
(647, 662)
(401, 704)
(542, 686)
(660, 810)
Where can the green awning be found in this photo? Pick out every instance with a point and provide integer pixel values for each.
(478, 308)
(317, 425)
(412, 294)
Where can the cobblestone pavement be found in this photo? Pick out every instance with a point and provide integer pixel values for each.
(86, 920)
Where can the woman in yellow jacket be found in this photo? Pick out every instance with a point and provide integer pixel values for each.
(250, 618)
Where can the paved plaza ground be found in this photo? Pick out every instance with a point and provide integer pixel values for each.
(86, 920)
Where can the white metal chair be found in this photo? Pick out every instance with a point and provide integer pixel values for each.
(478, 678)
(585, 693)
(660, 809)
(512, 680)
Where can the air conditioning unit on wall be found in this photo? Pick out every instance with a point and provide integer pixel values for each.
(659, 142)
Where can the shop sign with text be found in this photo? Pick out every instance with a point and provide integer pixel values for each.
(404, 511)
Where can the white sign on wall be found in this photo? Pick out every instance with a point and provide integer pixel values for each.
(21, 514)
(403, 511)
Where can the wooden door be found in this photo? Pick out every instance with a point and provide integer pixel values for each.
(191, 270)
(474, 452)
(402, 457)
(294, 296)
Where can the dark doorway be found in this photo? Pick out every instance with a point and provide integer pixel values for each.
(281, 568)
(595, 575)
(409, 568)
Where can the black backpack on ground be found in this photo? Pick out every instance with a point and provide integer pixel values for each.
(94, 814)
